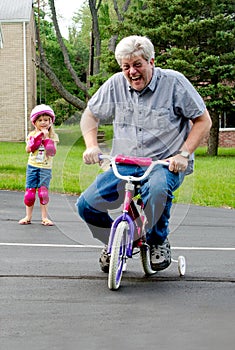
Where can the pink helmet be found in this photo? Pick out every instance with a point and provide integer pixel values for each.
(42, 109)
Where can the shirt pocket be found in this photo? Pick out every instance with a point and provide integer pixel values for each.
(124, 115)
(158, 119)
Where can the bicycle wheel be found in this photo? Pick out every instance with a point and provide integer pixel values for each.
(118, 255)
(145, 259)
(181, 265)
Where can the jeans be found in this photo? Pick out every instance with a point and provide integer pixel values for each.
(107, 193)
(37, 177)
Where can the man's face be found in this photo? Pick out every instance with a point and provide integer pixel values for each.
(137, 71)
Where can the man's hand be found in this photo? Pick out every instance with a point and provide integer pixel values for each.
(177, 163)
(91, 155)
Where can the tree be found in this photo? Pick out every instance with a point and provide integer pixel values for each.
(46, 93)
(101, 15)
(95, 47)
(110, 11)
(47, 69)
(96, 36)
(197, 38)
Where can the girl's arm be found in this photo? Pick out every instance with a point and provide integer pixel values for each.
(50, 147)
(34, 142)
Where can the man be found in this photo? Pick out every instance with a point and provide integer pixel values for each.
(156, 113)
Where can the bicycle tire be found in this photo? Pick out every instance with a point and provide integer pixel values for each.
(118, 255)
(145, 260)
(181, 265)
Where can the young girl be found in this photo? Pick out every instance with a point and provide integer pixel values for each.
(41, 146)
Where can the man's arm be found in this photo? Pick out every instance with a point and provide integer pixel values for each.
(201, 127)
(89, 128)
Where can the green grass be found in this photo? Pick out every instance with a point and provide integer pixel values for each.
(70, 175)
(212, 183)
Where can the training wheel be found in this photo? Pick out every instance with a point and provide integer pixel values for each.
(181, 265)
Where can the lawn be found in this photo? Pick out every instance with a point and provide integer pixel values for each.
(212, 183)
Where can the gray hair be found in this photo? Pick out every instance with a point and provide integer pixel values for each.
(132, 46)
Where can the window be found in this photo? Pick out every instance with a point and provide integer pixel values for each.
(227, 120)
(1, 37)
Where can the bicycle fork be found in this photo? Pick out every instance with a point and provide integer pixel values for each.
(133, 214)
(129, 188)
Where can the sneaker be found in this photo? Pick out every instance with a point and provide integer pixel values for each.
(104, 260)
(160, 256)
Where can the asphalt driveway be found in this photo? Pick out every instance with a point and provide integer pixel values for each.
(53, 295)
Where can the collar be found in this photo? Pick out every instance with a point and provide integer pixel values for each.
(151, 86)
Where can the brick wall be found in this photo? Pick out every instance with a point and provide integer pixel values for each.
(226, 138)
(12, 102)
(12, 89)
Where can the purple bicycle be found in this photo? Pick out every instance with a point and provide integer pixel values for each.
(128, 229)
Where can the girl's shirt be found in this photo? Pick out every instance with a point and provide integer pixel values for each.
(39, 158)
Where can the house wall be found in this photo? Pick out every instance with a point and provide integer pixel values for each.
(226, 138)
(31, 70)
(12, 107)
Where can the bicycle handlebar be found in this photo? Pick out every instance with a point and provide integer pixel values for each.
(120, 159)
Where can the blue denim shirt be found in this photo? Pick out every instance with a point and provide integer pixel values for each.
(154, 122)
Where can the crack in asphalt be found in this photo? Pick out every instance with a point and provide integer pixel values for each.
(129, 278)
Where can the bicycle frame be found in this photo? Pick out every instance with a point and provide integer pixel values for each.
(129, 190)
(132, 220)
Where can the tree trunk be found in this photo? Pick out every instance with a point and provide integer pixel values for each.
(214, 135)
(64, 51)
(91, 59)
(94, 8)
